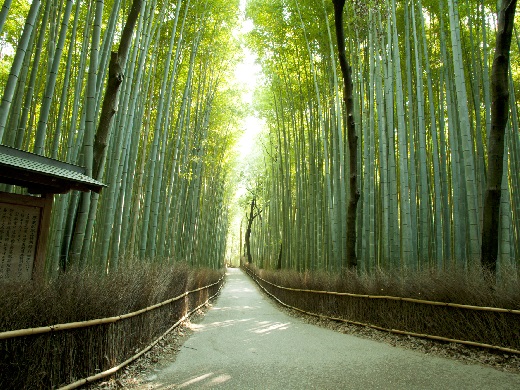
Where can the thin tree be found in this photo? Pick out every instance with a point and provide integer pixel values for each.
(250, 219)
(499, 117)
(3, 13)
(348, 99)
(52, 77)
(17, 65)
(115, 78)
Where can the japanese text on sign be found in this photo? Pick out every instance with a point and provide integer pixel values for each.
(18, 237)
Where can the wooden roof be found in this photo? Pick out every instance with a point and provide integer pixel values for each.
(41, 174)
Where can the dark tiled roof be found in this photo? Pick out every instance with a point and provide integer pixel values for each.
(42, 174)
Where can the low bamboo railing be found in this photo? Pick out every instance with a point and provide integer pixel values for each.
(54, 329)
(100, 321)
(113, 370)
(278, 293)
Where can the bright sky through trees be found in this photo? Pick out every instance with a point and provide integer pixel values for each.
(247, 78)
(247, 74)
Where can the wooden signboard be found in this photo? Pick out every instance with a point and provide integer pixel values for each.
(24, 229)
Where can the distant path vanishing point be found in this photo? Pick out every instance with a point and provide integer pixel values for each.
(246, 342)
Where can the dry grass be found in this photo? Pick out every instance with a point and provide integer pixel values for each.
(49, 360)
(469, 287)
(454, 286)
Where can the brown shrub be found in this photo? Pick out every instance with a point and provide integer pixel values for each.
(52, 359)
(466, 287)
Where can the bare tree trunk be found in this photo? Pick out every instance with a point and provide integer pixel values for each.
(499, 117)
(115, 78)
(346, 71)
(83, 230)
(248, 231)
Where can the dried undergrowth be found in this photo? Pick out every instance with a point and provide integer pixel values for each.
(470, 287)
(474, 287)
(144, 370)
(52, 359)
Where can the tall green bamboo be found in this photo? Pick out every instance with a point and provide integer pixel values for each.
(88, 139)
(17, 64)
(467, 143)
(497, 146)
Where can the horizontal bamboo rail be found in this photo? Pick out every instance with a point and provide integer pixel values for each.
(113, 370)
(100, 321)
(388, 297)
(396, 331)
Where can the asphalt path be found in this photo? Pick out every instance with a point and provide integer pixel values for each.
(246, 342)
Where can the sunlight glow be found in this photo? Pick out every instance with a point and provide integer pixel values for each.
(221, 379)
(266, 327)
(252, 127)
(195, 380)
(248, 77)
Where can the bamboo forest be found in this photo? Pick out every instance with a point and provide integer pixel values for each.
(144, 95)
(169, 166)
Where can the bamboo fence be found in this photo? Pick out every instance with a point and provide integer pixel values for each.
(113, 370)
(99, 321)
(267, 285)
(187, 296)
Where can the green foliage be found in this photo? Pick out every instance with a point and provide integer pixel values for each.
(170, 151)
(10, 35)
(171, 139)
(417, 208)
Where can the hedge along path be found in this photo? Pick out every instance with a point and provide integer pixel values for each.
(256, 278)
(113, 370)
(389, 297)
(100, 321)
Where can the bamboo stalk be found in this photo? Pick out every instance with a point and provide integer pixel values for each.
(100, 321)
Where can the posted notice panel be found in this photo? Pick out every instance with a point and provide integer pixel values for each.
(24, 226)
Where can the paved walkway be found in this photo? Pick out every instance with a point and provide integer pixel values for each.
(245, 342)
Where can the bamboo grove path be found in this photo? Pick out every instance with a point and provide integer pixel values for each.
(246, 342)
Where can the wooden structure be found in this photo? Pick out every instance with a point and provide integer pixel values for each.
(25, 219)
